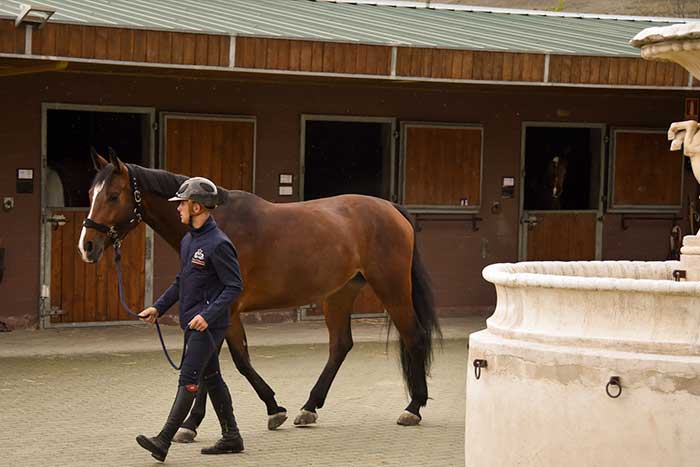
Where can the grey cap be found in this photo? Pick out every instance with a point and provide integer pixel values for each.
(198, 189)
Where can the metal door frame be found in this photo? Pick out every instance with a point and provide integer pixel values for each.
(522, 228)
(45, 255)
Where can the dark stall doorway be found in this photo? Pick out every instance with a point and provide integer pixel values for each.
(70, 133)
(344, 155)
(562, 186)
(576, 152)
(347, 156)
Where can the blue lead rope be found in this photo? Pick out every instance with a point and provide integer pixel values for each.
(118, 260)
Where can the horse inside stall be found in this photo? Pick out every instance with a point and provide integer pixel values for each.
(290, 255)
(547, 187)
(556, 176)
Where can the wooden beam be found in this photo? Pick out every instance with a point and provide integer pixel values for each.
(27, 70)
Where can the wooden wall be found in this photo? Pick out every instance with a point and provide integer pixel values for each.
(468, 64)
(11, 38)
(298, 55)
(131, 45)
(615, 71)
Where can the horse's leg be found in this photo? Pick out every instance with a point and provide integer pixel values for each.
(393, 287)
(337, 313)
(238, 346)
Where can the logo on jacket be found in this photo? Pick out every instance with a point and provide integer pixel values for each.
(198, 258)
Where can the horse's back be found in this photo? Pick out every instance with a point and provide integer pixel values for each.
(314, 247)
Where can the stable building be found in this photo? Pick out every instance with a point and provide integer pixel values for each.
(510, 135)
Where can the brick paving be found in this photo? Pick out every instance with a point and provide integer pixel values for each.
(61, 407)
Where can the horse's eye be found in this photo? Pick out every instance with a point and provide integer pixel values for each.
(113, 197)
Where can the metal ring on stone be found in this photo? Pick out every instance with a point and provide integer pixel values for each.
(614, 381)
(478, 365)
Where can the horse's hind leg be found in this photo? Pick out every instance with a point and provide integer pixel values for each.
(394, 290)
(238, 346)
(337, 313)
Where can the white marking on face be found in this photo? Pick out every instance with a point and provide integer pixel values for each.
(95, 192)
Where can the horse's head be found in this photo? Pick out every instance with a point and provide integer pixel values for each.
(114, 207)
(556, 175)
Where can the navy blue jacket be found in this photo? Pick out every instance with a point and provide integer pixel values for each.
(209, 281)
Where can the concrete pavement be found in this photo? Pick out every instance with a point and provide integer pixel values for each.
(78, 397)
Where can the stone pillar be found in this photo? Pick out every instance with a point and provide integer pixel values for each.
(690, 257)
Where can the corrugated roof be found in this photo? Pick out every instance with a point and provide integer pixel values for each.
(361, 21)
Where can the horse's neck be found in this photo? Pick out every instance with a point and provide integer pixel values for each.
(161, 216)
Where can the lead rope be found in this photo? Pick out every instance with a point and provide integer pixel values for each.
(118, 260)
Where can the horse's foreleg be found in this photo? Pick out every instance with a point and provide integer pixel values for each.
(238, 346)
(337, 313)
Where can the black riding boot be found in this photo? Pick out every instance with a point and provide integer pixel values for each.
(160, 444)
(231, 440)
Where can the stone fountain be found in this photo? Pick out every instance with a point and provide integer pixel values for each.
(594, 363)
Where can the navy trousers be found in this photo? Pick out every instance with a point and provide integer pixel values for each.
(201, 355)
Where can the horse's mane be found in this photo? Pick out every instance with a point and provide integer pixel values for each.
(158, 182)
(164, 183)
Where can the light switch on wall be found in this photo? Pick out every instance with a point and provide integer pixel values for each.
(8, 203)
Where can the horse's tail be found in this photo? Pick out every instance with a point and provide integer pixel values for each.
(423, 309)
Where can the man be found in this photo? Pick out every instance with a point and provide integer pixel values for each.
(208, 284)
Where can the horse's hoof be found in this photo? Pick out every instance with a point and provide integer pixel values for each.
(184, 435)
(305, 418)
(274, 421)
(408, 419)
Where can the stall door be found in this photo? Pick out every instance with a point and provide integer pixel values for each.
(561, 193)
(87, 293)
(218, 148)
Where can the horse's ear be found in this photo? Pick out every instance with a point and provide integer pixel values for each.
(118, 165)
(98, 161)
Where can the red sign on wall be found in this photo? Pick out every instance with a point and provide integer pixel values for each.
(691, 108)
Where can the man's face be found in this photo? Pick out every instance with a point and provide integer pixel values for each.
(184, 208)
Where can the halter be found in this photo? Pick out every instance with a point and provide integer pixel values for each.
(116, 231)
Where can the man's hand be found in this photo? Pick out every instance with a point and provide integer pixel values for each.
(149, 315)
(198, 323)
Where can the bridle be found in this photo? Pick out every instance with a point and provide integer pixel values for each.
(116, 232)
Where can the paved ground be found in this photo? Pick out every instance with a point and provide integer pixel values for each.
(78, 397)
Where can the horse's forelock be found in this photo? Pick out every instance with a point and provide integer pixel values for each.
(104, 175)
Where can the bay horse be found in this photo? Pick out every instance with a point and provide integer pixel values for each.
(290, 254)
